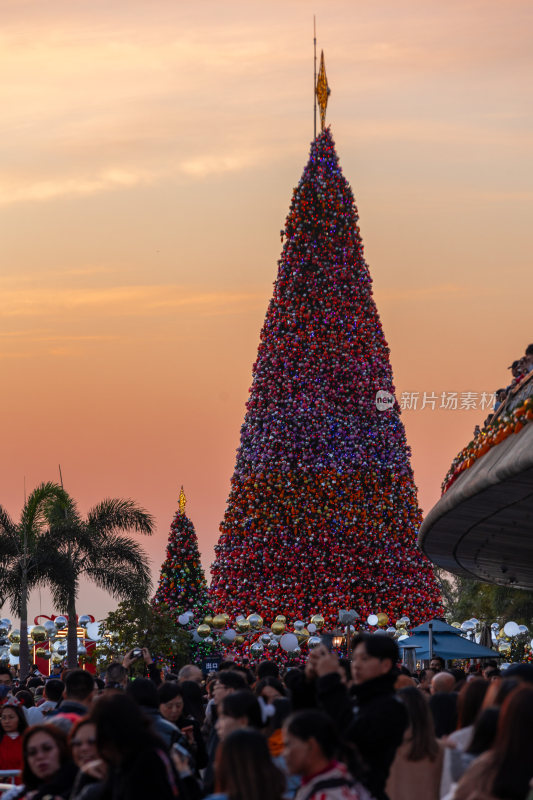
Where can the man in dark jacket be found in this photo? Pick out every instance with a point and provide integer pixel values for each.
(76, 702)
(377, 721)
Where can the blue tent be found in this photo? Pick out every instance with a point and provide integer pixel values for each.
(447, 643)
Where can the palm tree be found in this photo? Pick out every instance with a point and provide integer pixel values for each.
(26, 558)
(95, 548)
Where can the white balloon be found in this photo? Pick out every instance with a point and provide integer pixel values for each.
(289, 642)
(228, 636)
(183, 619)
(511, 629)
(372, 619)
(311, 627)
(523, 629)
(93, 631)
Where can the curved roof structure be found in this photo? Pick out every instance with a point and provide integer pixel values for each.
(482, 527)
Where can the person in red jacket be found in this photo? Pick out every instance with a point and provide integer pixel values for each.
(12, 725)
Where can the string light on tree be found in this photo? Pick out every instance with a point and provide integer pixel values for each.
(182, 584)
(322, 512)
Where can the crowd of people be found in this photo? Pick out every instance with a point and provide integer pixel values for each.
(519, 369)
(358, 729)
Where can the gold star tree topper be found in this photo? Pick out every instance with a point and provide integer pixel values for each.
(182, 501)
(322, 91)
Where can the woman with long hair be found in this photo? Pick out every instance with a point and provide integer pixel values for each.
(138, 763)
(311, 747)
(505, 771)
(469, 704)
(12, 726)
(483, 737)
(244, 769)
(47, 770)
(417, 766)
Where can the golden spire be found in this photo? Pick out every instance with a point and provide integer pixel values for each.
(183, 501)
(322, 91)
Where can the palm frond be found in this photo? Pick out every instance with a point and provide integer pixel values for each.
(116, 514)
(11, 590)
(125, 584)
(10, 547)
(7, 526)
(70, 539)
(121, 553)
(33, 518)
(62, 511)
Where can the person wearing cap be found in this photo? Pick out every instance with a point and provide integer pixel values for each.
(55, 673)
(518, 371)
(514, 368)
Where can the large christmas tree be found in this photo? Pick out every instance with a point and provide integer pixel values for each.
(182, 585)
(323, 511)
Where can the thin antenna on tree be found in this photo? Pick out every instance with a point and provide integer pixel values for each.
(314, 79)
(60, 476)
(24, 490)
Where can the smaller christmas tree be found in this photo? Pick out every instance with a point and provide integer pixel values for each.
(182, 585)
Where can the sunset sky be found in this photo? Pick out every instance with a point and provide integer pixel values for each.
(148, 155)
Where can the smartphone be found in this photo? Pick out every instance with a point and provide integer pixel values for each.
(183, 752)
